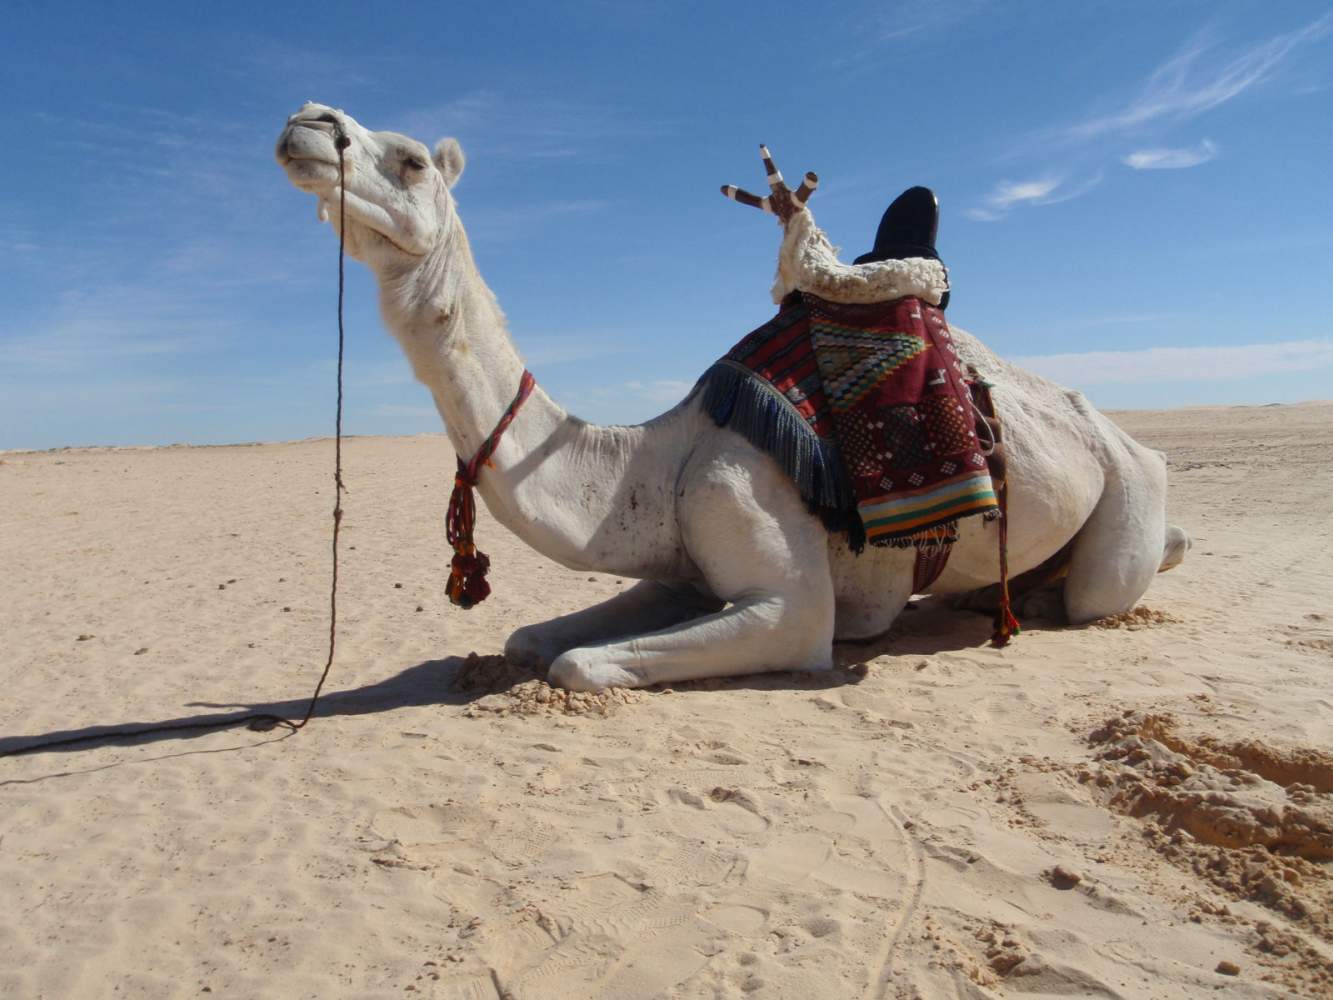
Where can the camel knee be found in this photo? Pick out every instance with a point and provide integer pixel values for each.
(1101, 583)
(800, 633)
(1178, 542)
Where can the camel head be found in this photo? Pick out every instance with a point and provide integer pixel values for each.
(398, 203)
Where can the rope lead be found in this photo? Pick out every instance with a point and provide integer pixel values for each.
(264, 721)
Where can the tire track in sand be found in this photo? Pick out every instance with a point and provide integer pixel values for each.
(877, 987)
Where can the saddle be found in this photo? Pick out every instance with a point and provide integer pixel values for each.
(855, 389)
(871, 413)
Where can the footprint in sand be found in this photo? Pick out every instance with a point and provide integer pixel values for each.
(856, 849)
(614, 941)
(456, 831)
(788, 859)
(739, 919)
(1311, 635)
(688, 863)
(462, 832)
(703, 813)
(479, 986)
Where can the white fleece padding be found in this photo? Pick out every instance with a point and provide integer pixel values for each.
(809, 262)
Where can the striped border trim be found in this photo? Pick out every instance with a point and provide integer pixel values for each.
(970, 495)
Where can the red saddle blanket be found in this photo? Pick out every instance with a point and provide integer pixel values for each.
(868, 408)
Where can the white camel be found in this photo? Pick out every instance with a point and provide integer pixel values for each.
(736, 576)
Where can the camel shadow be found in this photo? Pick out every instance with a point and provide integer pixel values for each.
(932, 627)
(782, 680)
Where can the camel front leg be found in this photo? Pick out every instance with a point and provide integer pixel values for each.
(757, 634)
(747, 531)
(645, 607)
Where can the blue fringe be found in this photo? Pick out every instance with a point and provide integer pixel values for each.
(736, 398)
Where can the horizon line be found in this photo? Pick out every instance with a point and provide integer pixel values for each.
(4, 452)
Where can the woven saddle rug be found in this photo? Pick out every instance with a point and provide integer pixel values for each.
(869, 410)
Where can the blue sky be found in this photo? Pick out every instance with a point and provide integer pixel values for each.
(1137, 197)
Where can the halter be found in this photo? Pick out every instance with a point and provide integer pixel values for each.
(467, 585)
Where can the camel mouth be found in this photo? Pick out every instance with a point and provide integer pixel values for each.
(310, 174)
(303, 145)
(287, 160)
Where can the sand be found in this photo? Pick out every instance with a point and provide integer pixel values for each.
(1136, 809)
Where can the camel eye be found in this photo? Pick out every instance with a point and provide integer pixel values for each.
(414, 163)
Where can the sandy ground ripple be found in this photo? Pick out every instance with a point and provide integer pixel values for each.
(1141, 809)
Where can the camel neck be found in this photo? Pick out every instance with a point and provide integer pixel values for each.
(454, 334)
(571, 490)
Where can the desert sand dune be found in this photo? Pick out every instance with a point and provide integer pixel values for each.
(1139, 808)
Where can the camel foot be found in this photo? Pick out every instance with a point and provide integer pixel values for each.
(1046, 603)
(1043, 603)
(576, 671)
(984, 600)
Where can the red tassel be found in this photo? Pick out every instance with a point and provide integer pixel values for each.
(1006, 626)
(467, 586)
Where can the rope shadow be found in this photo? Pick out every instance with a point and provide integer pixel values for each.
(427, 683)
(38, 779)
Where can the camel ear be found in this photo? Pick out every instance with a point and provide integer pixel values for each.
(449, 158)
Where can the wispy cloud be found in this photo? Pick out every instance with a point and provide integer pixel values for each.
(623, 402)
(109, 329)
(549, 351)
(526, 126)
(1041, 191)
(1009, 193)
(1171, 159)
(888, 23)
(145, 155)
(1200, 76)
(405, 410)
(1209, 363)
(114, 317)
(293, 65)
(508, 221)
(1195, 80)
(367, 373)
(662, 390)
(878, 25)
